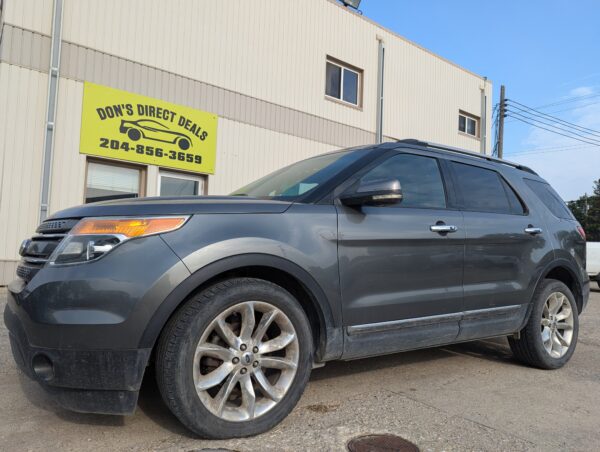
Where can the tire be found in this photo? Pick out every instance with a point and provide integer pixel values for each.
(184, 144)
(196, 324)
(531, 348)
(134, 134)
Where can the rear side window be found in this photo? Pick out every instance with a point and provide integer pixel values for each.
(419, 177)
(550, 198)
(484, 190)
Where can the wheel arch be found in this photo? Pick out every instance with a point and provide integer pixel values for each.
(564, 271)
(326, 334)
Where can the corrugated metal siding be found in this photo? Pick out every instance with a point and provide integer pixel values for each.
(68, 166)
(275, 50)
(247, 153)
(30, 14)
(23, 94)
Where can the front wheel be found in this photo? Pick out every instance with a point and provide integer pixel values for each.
(550, 336)
(235, 359)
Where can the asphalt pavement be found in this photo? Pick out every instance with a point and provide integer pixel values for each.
(463, 397)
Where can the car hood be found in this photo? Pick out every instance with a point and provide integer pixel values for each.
(185, 205)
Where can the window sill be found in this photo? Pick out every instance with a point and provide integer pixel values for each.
(469, 135)
(343, 102)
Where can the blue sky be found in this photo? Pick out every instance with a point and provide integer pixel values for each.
(544, 51)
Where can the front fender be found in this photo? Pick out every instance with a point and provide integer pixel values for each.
(331, 328)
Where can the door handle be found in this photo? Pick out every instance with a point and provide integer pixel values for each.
(532, 230)
(443, 228)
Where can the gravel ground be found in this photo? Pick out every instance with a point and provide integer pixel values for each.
(464, 397)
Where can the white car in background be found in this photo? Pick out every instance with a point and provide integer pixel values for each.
(593, 261)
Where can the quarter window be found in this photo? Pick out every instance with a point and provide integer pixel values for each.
(484, 190)
(468, 124)
(550, 198)
(107, 181)
(343, 82)
(419, 177)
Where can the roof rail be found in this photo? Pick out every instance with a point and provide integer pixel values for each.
(443, 147)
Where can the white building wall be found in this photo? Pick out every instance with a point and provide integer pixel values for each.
(260, 66)
(22, 109)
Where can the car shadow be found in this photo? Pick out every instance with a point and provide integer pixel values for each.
(490, 350)
(39, 398)
(151, 405)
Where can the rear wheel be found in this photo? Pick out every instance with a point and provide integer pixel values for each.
(550, 336)
(235, 359)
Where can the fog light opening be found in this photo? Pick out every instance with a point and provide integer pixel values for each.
(43, 367)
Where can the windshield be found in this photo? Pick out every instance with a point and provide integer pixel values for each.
(299, 178)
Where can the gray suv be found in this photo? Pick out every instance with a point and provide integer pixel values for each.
(232, 300)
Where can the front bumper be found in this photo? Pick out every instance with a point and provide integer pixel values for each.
(91, 381)
(78, 330)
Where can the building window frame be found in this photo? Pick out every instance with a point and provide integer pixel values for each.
(142, 169)
(469, 119)
(343, 68)
(202, 180)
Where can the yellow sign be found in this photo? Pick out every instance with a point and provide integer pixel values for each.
(126, 126)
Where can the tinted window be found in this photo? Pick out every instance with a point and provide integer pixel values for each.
(516, 206)
(484, 190)
(419, 178)
(550, 198)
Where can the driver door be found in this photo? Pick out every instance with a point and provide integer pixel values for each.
(401, 280)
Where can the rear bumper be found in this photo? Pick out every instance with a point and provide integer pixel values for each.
(90, 381)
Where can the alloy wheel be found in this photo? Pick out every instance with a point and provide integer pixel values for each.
(557, 325)
(245, 361)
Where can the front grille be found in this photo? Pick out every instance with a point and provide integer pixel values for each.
(36, 251)
(56, 226)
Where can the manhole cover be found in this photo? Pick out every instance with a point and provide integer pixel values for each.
(380, 443)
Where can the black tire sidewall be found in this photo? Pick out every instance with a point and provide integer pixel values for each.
(534, 324)
(211, 303)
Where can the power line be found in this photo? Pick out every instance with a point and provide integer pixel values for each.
(554, 126)
(567, 148)
(558, 133)
(576, 107)
(547, 148)
(569, 100)
(534, 112)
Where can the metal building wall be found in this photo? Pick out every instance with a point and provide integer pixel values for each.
(23, 95)
(260, 66)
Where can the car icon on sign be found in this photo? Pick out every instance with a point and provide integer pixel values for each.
(154, 130)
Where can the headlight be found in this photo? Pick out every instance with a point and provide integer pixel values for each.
(92, 238)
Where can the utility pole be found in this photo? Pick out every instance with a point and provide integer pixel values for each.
(502, 114)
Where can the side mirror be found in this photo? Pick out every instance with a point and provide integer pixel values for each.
(377, 192)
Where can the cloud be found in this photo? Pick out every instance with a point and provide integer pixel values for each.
(571, 172)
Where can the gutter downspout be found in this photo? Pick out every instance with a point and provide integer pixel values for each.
(53, 78)
(483, 126)
(380, 73)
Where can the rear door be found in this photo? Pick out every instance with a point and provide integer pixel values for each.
(504, 245)
(401, 281)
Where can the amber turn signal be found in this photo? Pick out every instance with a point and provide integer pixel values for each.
(128, 227)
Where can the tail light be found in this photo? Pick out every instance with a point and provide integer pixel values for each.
(581, 232)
